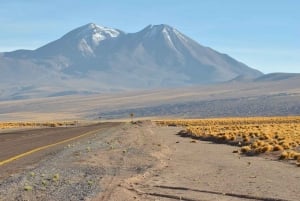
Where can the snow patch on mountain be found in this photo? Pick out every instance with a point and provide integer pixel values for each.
(91, 35)
(180, 36)
(100, 33)
(85, 49)
(168, 37)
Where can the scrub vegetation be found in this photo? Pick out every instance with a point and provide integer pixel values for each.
(5, 125)
(275, 136)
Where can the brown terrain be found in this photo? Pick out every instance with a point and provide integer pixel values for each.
(141, 161)
(270, 97)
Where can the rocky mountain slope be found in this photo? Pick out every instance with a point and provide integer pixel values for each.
(93, 59)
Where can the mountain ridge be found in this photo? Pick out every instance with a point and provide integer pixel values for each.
(95, 58)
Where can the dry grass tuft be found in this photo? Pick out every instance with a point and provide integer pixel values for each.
(255, 135)
(245, 149)
(6, 125)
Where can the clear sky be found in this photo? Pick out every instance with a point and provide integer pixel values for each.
(264, 34)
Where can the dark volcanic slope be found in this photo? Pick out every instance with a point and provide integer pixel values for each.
(275, 97)
(277, 105)
(93, 59)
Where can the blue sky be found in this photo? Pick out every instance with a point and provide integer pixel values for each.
(264, 34)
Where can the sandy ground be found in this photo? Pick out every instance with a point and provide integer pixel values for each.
(145, 162)
(197, 170)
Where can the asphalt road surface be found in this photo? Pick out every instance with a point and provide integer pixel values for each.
(16, 143)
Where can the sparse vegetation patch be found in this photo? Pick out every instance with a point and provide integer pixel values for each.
(256, 135)
(5, 125)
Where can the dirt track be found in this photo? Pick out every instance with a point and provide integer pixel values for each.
(146, 162)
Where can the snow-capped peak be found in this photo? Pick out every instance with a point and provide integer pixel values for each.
(108, 32)
(153, 30)
(169, 34)
(94, 34)
(89, 36)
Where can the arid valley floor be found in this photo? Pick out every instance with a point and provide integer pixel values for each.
(142, 161)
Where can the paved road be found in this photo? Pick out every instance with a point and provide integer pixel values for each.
(18, 142)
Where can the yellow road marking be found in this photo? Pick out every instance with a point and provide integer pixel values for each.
(44, 147)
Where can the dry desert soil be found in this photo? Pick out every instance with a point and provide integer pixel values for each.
(141, 161)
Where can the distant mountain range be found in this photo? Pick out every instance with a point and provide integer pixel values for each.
(93, 59)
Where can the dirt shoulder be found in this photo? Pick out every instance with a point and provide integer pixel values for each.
(196, 170)
(145, 162)
(199, 170)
